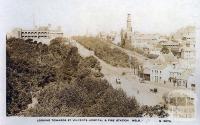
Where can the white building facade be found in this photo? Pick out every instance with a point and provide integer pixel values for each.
(40, 34)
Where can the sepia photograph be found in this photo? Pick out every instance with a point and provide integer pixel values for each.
(101, 59)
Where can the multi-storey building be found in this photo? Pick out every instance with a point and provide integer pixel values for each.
(180, 103)
(170, 44)
(186, 33)
(40, 34)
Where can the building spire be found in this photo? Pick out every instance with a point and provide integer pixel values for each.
(129, 27)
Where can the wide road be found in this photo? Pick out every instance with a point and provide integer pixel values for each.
(129, 82)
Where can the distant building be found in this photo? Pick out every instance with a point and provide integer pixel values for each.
(170, 44)
(187, 50)
(159, 73)
(145, 38)
(102, 35)
(183, 79)
(40, 34)
(107, 36)
(188, 53)
(167, 69)
(180, 103)
(161, 67)
(147, 66)
(186, 34)
(127, 34)
(155, 51)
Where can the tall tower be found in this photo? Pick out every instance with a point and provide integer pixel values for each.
(127, 35)
(129, 27)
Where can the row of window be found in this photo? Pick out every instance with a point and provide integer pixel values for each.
(34, 36)
(178, 82)
(29, 32)
(34, 32)
(156, 71)
(156, 78)
(171, 45)
(175, 73)
(29, 36)
(182, 81)
(188, 51)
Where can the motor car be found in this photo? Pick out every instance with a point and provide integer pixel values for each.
(154, 90)
(118, 81)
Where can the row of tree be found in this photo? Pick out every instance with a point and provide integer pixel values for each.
(104, 51)
(64, 84)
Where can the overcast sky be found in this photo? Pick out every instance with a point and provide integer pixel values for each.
(78, 16)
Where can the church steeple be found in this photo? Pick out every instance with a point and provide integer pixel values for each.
(127, 34)
(129, 27)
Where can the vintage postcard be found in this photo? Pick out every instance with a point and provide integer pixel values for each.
(100, 62)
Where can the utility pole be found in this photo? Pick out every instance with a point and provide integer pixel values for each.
(130, 59)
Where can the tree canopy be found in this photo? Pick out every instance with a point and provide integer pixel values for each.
(165, 50)
(64, 83)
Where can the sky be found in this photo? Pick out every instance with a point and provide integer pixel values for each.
(80, 16)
